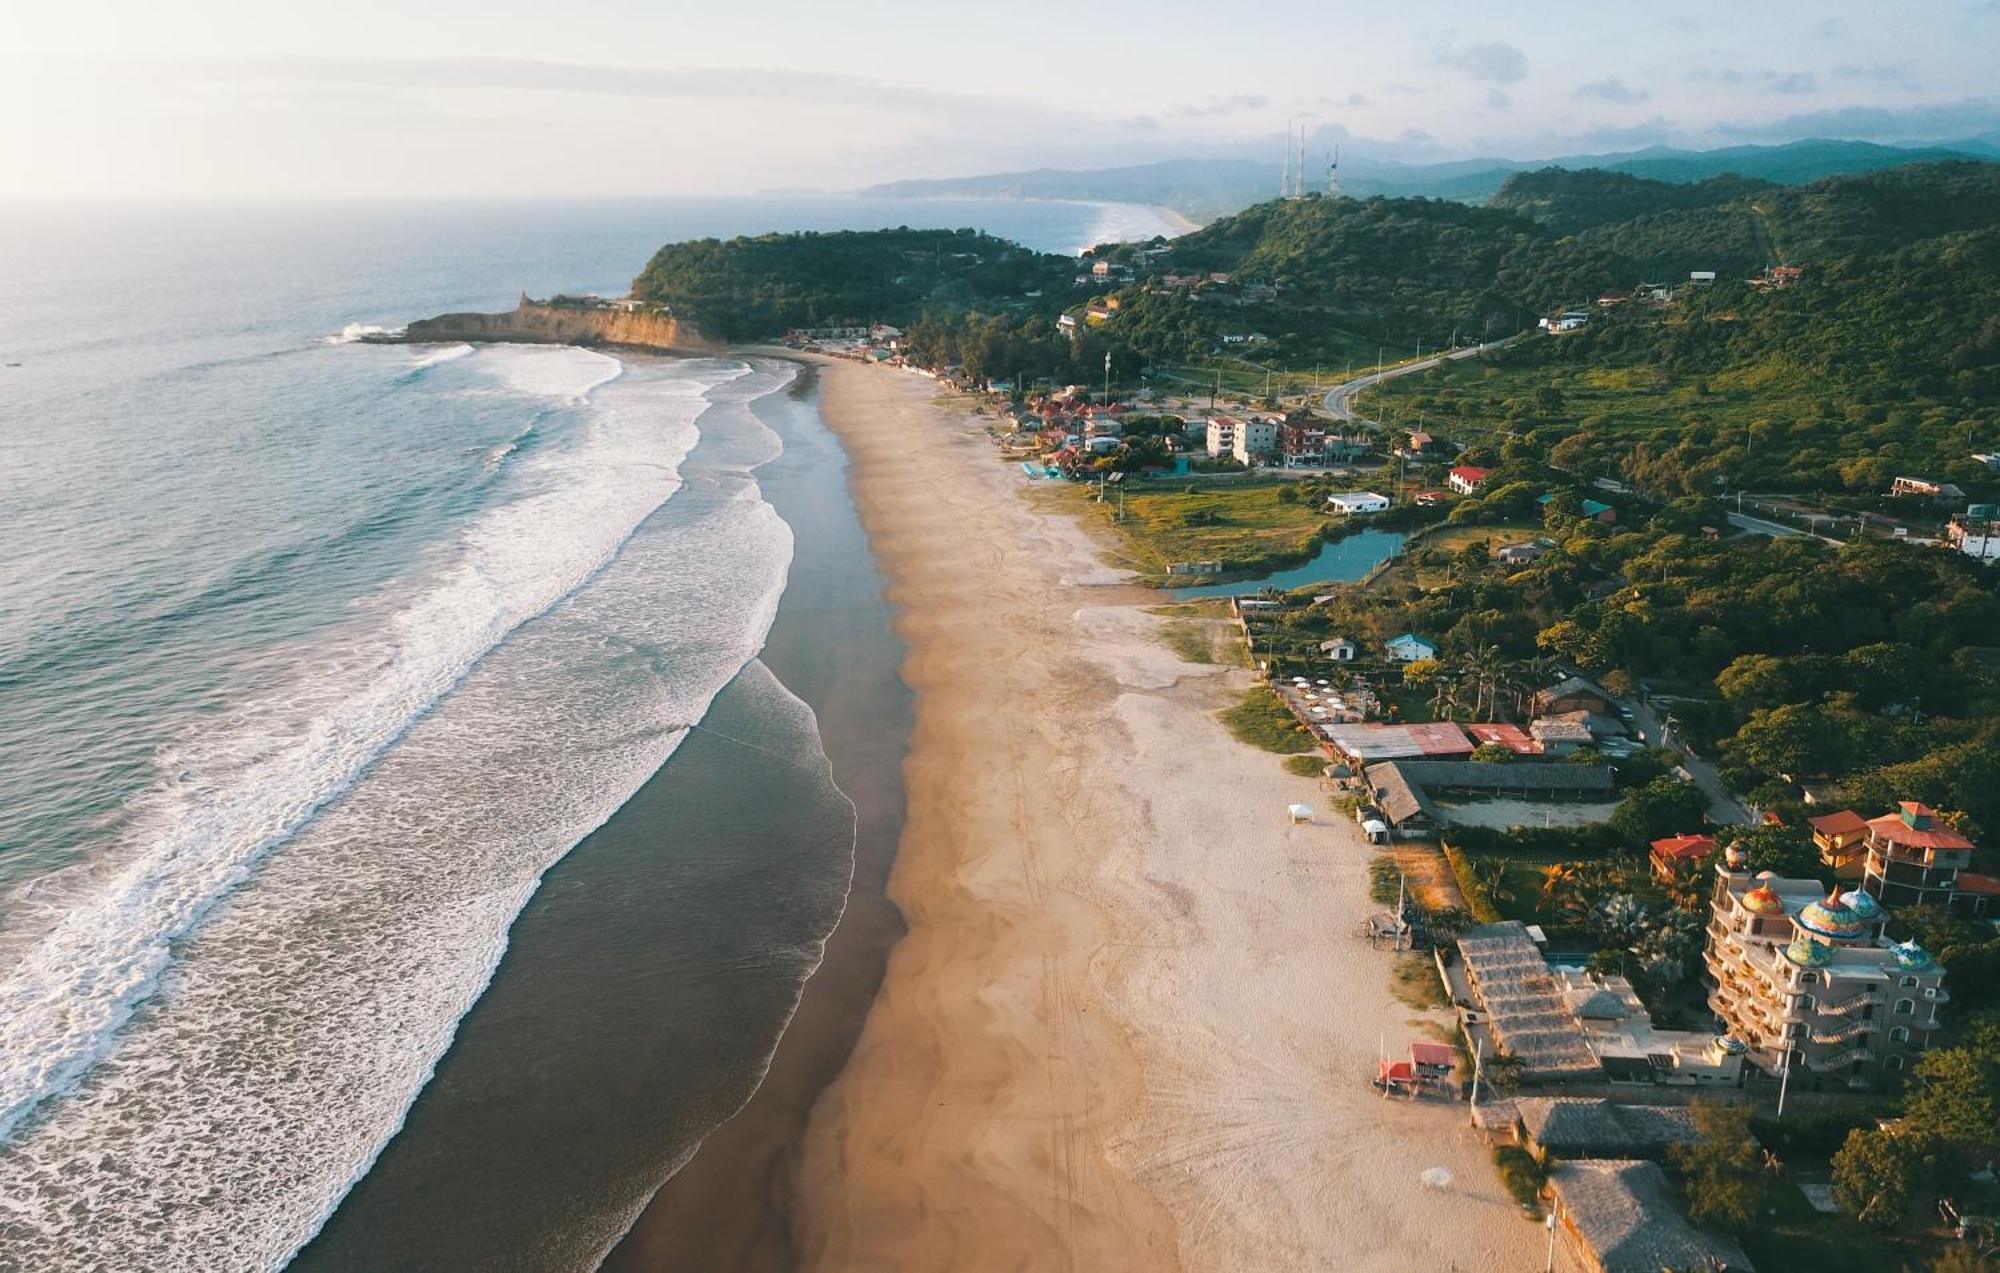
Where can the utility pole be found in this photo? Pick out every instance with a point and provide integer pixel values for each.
(1551, 1223)
(1107, 377)
(1784, 1079)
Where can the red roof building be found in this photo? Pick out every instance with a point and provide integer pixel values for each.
(1671, 852)
(1465, 479)
(1914, 858)
(1512, 737)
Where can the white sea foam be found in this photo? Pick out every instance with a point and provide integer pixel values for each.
(436, 358)
(295, 1020)
(359, 331)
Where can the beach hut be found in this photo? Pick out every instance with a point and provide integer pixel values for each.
(1302, 813)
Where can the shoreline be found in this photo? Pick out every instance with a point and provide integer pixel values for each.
(1130, 1023)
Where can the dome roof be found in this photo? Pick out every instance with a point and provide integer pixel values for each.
(1807, 953)
(1863, 904)
(1762, 901)
(1830, 917)
(1911, 957)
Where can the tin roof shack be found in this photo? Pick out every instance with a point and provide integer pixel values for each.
(1621, 1216)
(1364, 744)
(1590, 1127)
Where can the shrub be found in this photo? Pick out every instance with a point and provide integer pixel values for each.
(1521, 1174)
(1477, 900)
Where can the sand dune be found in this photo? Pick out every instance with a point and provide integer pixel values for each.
(1131, 1026)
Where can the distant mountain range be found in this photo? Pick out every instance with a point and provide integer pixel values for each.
(1208, 188)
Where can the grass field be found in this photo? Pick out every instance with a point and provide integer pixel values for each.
(1261, 720)
(1410, 567)
(1521, 896)
(1244, 525)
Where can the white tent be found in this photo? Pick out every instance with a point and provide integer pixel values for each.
(1302, 813)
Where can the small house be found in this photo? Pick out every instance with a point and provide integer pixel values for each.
(1669, 854)
(1466, 479)
(1574, 694)
(1842, 840)
(1558, 737)
(1408, 647)
(1521, 554)
(1339, 649)
(1355, 502)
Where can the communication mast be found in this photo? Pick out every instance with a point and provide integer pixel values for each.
(1333, 173)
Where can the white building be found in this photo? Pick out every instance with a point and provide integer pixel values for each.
(1256, 439)
(1356, 502)
(1976, 532)
(1222, 430)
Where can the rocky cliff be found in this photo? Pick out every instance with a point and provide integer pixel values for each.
(541, 323)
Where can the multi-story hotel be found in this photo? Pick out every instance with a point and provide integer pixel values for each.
(1809, 982)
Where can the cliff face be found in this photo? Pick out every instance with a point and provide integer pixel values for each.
(534, 323)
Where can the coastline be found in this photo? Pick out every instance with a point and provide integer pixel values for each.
(1131, 1024)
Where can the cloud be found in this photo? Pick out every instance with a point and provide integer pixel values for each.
(1352, 101)
(1233, 104)
(1790, 83)
(1939, 121)
(1830, 28)
(1612, 90)
(1879, 73)
(1498, 100)
(1493, 60)
(1656, 131)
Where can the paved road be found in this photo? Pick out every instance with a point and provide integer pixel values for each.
(1338, 397)
(1777, 530)
(1723, 806)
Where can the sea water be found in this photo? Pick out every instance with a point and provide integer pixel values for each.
(315, 655)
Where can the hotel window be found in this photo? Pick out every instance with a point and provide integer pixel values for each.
(1896, 1062)
(1904, 1007)
(1907, 982)
(1901, 1034)
(1806, 1003)
(1810, 979)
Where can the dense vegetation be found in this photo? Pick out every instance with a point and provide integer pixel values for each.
(1883, 359)
(754, 287)
(1568, 201)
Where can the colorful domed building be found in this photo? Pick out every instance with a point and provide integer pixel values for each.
(1807, 979)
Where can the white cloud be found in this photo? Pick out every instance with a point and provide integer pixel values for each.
(1493, 60)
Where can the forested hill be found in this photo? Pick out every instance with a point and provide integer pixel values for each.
(1568, 200)
(1898, 263)
(751, 288)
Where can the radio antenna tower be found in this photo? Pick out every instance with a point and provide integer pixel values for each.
(1285, 184)
(1333, 174)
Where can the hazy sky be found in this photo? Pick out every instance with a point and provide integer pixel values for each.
(235, 98)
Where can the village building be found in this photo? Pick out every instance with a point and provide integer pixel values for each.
(1365, 744)
(1631, 1049)
(1621, 1216)
(1408, 792)
(1521, 554)
(1670, 854)
(1418, 445)
(1557, 736)
(1356, 502)
(1523, 1006)
(1466, 479)
(1512, 737)
(1913, 858)
(1842, 840)
(1408, 647)
(1339, 649)
(1924, 488)
(1976, 532)
(1593, 510)
(1807, 980)
(1570, 1127)
(1573, 694)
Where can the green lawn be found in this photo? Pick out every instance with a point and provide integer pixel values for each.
(1243, 524)
(1524, 884)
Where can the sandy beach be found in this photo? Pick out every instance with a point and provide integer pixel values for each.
(1131, 1025)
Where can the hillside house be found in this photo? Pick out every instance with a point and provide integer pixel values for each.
(1976, 532)
(1574, 694)
(1521, 554)
(1339, 649)
(1466, 479)
(1419, 445)
(1924, 488)
(1408, 647)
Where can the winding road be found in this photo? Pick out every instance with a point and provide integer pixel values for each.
(1338, 397)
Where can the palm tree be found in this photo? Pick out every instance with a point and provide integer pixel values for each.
(1490, 874)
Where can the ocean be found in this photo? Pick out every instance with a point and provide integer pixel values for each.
(416, 816)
